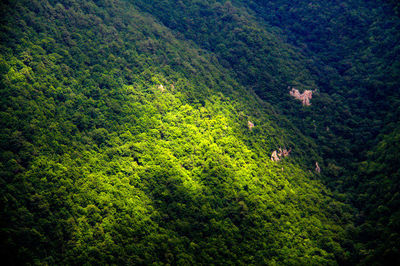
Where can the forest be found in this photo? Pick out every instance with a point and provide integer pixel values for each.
(200, 132)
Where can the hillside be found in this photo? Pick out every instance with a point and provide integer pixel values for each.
(164, 132)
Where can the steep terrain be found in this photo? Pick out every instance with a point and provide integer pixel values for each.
(142, 132)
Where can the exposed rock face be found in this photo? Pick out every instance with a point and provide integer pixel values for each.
(304, 97)
(317, 169)
(274, 157)
(277, 155)
(250, 125)
(284, 152)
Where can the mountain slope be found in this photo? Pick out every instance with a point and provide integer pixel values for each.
(123, 144)
(141, 132)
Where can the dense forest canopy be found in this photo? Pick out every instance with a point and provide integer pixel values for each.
(200, 132)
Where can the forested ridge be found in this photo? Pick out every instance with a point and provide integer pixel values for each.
(148, 132)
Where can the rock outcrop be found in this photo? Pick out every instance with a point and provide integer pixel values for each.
(281, 153)
(317, 168)
(304, 97)
(274, 157)
(250, 125)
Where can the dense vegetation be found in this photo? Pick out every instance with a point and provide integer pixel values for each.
(125, 134)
